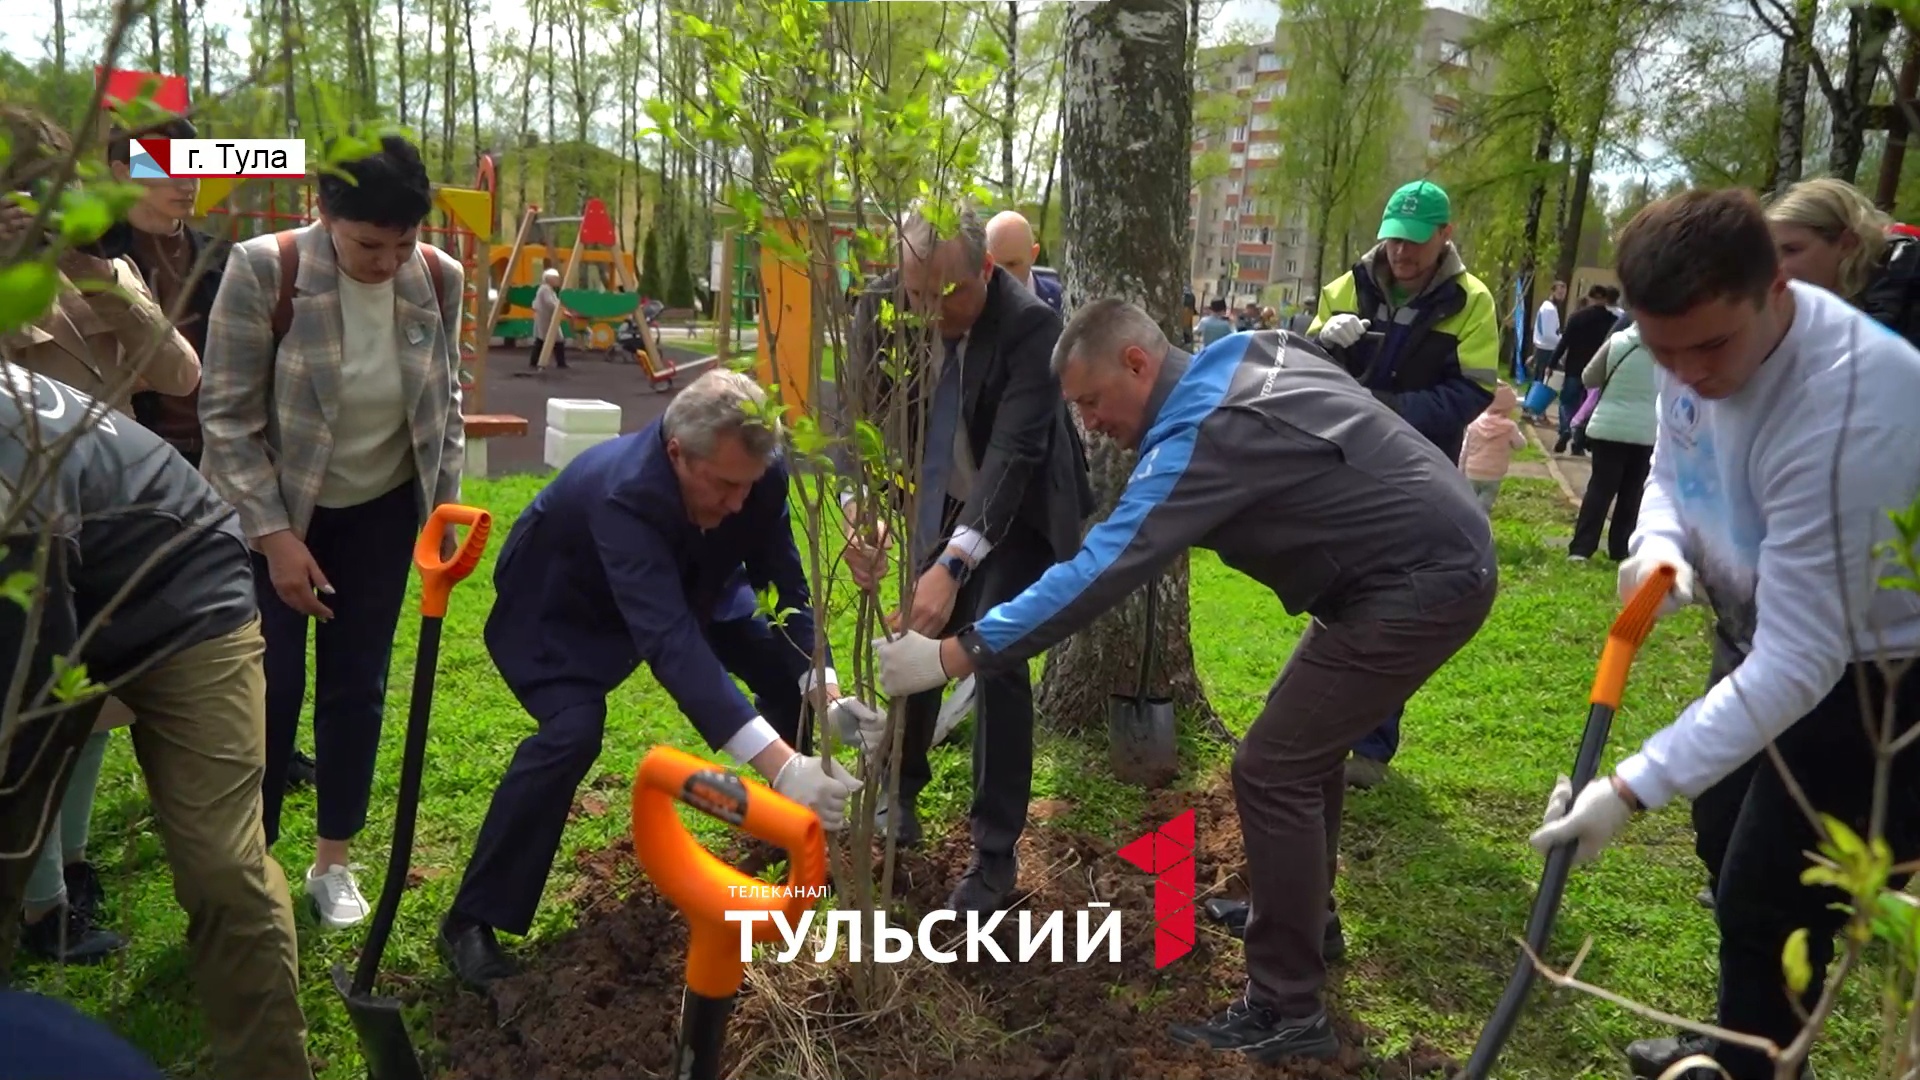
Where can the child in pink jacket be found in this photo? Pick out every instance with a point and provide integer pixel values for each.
(1488, 447)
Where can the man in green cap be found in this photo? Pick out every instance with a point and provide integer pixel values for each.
(1435, 359)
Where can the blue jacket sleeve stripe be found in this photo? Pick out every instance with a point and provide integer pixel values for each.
(1166, 453)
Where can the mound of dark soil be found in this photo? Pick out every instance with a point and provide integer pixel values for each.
(603, 1001)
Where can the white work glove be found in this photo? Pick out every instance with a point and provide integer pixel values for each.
(1597, 816)
(1343, 330)
(820, 784)
(857, 723)
(909, 664)
(1636, 569)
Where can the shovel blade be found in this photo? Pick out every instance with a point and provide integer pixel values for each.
(384, 1041)
(1143, 741)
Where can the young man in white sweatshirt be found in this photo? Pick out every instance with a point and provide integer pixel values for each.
(1787, 432)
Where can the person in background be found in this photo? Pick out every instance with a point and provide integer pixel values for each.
(1299, 321)
(641, 551)
(1488, 448)
(1269, 318)
(1620, 422)
(546, 305)
(1786, 435)
(334, 443)
(106, 341)
(1829, 234)
(1585, 334)
(1435, 365)
(1189, 315)
(1010, 242)
(1546, 328)
(1214, 325)
(1249, 317)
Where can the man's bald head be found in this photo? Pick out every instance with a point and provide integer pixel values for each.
(1010, 242)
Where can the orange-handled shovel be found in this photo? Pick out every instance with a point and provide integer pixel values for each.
(377, 1020)
(705, 889)
(1630, 630)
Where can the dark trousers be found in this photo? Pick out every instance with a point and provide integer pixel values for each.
(1573, 393)
(1382, 742)
(521, 834)
(1003, 704)
(1540, 363)
(366, 553)
(1289, 784)
(1618, 479)
(1754, 837)
(559, 352)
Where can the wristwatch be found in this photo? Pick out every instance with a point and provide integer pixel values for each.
(957, 567)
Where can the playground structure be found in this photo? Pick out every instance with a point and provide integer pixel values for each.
(791, 345)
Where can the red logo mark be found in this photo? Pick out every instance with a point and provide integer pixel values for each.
(1167, 854)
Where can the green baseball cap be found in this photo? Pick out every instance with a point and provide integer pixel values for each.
(1415, 212)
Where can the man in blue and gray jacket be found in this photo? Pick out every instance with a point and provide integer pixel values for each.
(648, 549)
(1264, 450)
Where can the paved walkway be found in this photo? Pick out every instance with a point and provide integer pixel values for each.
(1570, 471)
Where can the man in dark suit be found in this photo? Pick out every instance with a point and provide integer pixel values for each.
(1010, 477)
(649, 549)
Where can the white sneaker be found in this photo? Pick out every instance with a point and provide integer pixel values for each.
(336, 896)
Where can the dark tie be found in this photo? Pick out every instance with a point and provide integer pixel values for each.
(943, 419)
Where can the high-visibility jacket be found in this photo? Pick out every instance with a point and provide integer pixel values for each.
(1439, 361)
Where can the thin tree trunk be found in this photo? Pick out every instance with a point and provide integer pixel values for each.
(287, 100)
(1899, 131)
(521, 151)
(206, 44)
(1530, 228)
(1010, 116)
(1577, 203)
(449, 104)
(1791, 132)
(473, 92)
(153, 35)
(1129, 112)
(1868, 30)
(426, 73)
(553, 158)
(60, 34)
(400, 54)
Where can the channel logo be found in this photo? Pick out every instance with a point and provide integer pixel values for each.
(1167, 854)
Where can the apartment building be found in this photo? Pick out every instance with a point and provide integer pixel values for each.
(1248, 244)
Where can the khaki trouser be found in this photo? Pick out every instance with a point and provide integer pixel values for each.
(200, 737)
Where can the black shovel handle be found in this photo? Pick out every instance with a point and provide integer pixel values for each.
(438, 576)
(1629, 632)
(703, 1035)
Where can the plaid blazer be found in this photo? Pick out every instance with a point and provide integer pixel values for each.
(268, 417)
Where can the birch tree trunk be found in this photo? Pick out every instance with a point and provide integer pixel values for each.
(1129, 112)
(1790, 136)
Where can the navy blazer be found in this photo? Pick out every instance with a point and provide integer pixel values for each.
(604, 571)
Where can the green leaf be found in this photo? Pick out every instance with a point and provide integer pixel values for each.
(19, 587)
(84, 217)
(70, 682)
(1794, 962)
(27, 291)
(873, 448)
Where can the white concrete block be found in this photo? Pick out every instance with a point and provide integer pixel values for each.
(583, 416)
(564, 446)
(476, 463)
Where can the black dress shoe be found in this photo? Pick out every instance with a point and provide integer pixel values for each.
(1262, 1036)
(299, 771)
(988, 883)
(84, 890)
(68, 935)
(473, 954)
(905, 815)
(1649, 1059)
(1232, 914)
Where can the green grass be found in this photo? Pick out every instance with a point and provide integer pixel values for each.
(1437, 876)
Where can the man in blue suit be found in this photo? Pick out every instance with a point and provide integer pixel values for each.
(649, 549)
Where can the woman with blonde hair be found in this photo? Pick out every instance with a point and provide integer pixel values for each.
(1830, 234)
